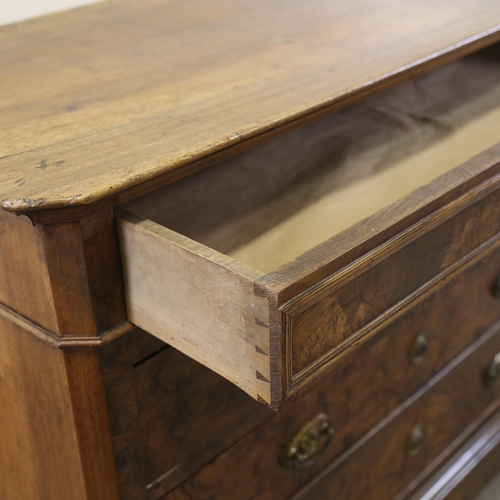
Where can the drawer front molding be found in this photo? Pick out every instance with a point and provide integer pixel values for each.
(469, 226)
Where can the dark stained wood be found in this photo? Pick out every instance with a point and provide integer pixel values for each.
(56, 439)
(485, 467)
(457, 401)
(366, 236)
(188, 415)
(143, 345)
(469, 470)
(334, 310)
(53, 429)
(72, 270)
(169, 416)
(122, 113)
(362, 394)
(118, 376)
(88, 403)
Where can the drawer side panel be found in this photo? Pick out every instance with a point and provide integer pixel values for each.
(188, 296)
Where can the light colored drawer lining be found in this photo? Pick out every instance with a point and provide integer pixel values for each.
(271, 204)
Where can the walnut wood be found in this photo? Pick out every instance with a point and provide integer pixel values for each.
(335, 309)
(23, 271)
(169, 416)
(362, 394)
(56, 438)
(469, 470)
(85, 275)
(108, 102)
(381, 465)
(122, 114)
(484, 469)
(321, 329)
(54, 433)
(72, 270)
(187, 416)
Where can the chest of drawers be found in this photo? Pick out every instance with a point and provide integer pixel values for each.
(250, 251)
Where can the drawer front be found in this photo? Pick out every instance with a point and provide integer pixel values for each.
(333, 318)
(361, 395)
(418, 438)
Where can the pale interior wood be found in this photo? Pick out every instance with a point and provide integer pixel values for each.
(198, 301)
(268, 205)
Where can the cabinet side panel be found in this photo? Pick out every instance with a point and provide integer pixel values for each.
(39, 456)
(24, 279)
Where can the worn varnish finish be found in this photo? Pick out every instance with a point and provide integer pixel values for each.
(470, 469)
(54, 431)
(382, 466)
(106, 103)
(95, 103)
(169, 416)
(339, 307)
(454, 318)
(72, 269)
(61, 300)
(332, 319)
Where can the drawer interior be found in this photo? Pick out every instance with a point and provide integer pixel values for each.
(268, 205)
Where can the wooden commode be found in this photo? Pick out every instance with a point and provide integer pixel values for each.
(250, 250)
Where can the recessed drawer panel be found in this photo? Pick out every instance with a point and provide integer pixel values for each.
(419, 437)
(392, 452)
(176, 395)
(276, 266)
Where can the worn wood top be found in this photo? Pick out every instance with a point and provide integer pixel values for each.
(124, 95)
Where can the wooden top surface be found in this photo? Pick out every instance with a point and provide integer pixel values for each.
(98, 100)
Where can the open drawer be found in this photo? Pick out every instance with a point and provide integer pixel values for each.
(277, 265)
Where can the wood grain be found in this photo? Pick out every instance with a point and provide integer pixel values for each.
(121, 93)
(188, 415)
(323, 328)
(381, 465)
(469, 470)
(25, 270)
(269, 205)
(198, 301)
(327, 314)
(362, 394)
(54, 430)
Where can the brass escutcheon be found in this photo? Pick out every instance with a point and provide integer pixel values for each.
(308, 444)
(419, 348)
(493, 371)
(416, 440)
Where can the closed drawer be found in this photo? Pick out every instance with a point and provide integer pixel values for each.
(277, 266)
(189, 417)
(420, 435)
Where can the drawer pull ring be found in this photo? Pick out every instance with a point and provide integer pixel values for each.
(419, 348)
(308, 444)
(493, 371)
(416, 440)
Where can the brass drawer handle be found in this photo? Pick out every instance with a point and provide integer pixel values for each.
(419, 348)
(308, 444)
(416, 440)
(493, 371)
